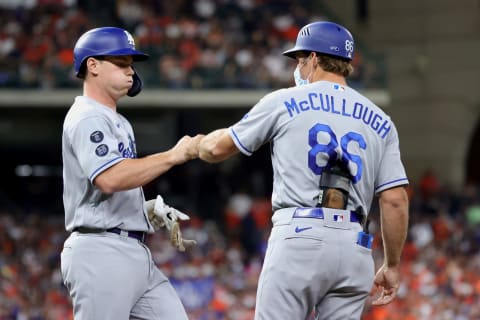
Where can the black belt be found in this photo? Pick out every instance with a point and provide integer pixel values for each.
(139, 235)
(318, 214)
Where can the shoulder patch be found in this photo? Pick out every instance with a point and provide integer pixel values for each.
(101, 150)
(96, 136)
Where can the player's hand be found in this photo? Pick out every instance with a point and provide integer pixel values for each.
(187, 148)
(387, 282)
(169, 218)
(155, 220)
(168, 215)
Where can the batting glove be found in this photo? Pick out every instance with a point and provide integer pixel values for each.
(178, 241)
(155, 221)
(169, 217)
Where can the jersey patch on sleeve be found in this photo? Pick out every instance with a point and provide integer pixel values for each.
(96, 136)
(101, 150)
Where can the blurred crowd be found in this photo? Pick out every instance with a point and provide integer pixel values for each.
(217, 279)
(198, 44)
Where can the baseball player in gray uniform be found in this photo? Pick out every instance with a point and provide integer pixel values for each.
(332, 150)
(106, 266)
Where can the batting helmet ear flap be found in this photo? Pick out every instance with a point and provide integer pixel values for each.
(137, 85)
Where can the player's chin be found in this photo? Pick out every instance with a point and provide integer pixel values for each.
(118, 93)
(124, 90)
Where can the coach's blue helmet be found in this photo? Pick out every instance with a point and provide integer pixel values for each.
(107, 41)
(324, 37)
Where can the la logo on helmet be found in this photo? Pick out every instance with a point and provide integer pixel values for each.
(130, 38)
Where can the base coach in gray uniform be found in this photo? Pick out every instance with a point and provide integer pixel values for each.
(106, 266)
(332, 150)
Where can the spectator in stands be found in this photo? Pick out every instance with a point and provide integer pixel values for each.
(441, 280)
(192, 42)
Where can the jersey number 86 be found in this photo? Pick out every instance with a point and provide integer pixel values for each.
(331, 149)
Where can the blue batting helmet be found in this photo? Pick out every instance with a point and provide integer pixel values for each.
(107, 41)
(324, 37)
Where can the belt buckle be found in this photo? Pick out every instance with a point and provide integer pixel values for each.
(338, 219)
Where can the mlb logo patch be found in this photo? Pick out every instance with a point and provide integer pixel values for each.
(338, 217)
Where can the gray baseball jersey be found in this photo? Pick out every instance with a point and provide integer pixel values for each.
(94, 139)
(310, 125)
(314, 261)
(108, 275)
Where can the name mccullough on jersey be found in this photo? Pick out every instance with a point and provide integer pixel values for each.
(329, 103)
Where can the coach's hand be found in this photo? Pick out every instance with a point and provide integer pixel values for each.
(387, 281)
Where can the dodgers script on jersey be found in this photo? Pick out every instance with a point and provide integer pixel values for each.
(94, 139)
(316, 124)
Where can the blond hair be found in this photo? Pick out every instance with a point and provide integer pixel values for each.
(335, 65)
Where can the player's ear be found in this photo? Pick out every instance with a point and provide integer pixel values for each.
(314, 56)
(91, 66)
